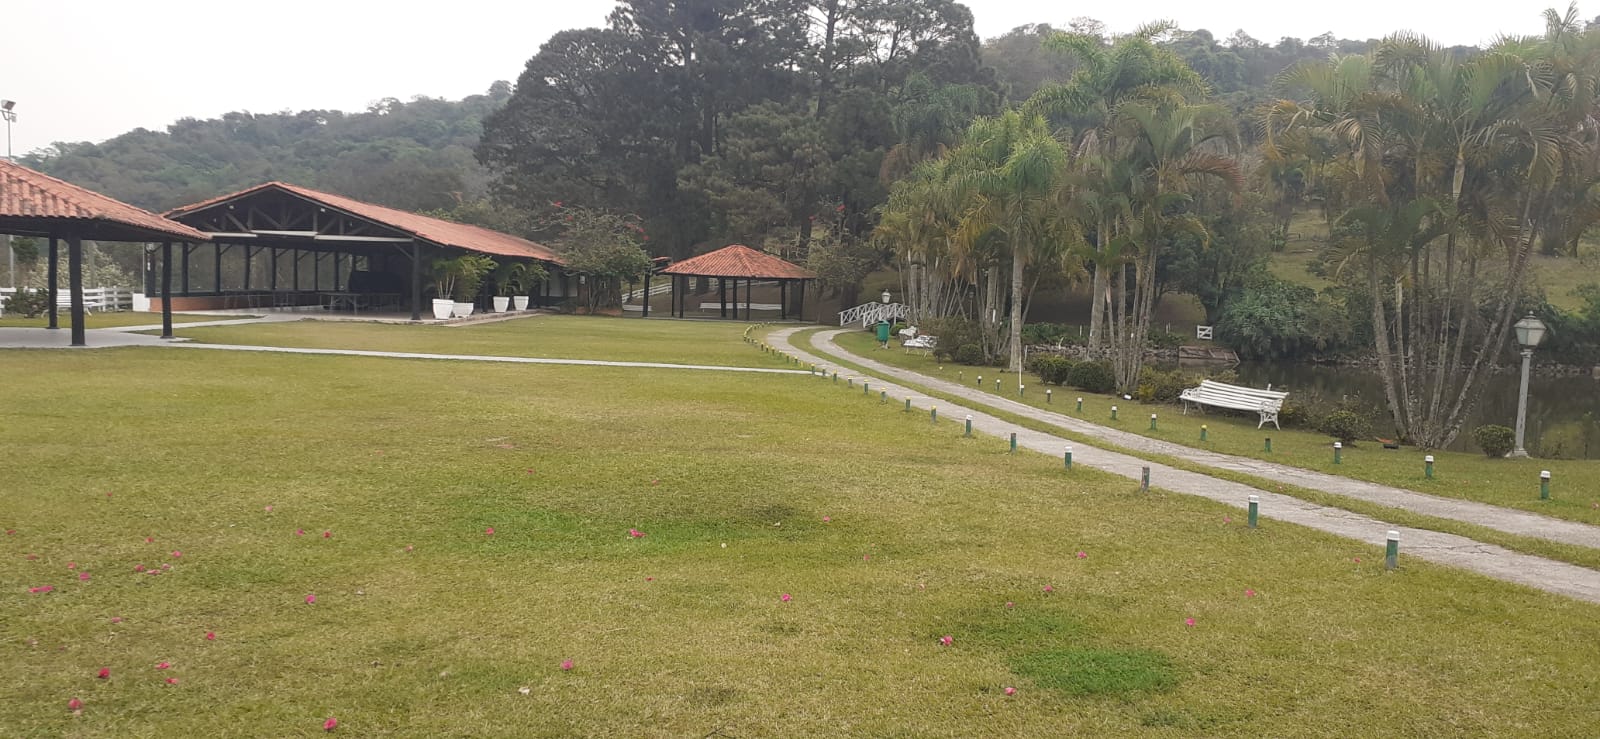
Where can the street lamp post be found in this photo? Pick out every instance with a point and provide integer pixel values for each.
(883, 321)
(8, 111)
(1530, 331)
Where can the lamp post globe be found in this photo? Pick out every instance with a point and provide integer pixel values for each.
(1530, 332)
(885, 296)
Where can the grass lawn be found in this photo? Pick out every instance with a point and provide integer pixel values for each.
(888, 533)
(1503, 482)
(556, 337)
(101, 320)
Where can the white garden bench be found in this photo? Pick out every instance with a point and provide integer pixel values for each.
(1222, 395)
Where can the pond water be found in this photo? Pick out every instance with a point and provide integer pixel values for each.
(1557, 406)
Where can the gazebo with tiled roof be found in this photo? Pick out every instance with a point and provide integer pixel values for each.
(738, 262)
(36, 204)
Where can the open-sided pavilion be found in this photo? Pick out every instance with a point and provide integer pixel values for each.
(737, 262)
(360, 254)
(38, 205)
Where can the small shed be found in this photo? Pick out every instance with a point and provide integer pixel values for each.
(738, 262)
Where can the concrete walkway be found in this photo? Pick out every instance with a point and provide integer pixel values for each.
(1508, 520)
(1447, 549)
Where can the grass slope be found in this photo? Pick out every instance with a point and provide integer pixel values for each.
(426, 624)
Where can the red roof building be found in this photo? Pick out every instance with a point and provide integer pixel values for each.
(738, 262)
(36, 204)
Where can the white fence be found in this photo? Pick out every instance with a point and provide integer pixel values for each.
(95, 300)
(870, 313)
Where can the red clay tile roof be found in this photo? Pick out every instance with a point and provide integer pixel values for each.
(433, 230)
(739, 261)
(36, 199)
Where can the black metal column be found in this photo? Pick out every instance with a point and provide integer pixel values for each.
(722, 296)
(75, 284)
(749, 293)
(297, 277)
(800, 302)
(218, 274)
(273, 283)
(166, 289)
(336, 271)
(416, 281)
(783, 299)
(647, 293)
(186, 250)
(53, 274)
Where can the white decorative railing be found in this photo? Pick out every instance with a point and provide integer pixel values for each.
(94, 299)
(636, 296)
(870, 313)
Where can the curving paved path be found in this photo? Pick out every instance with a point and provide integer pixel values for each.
(1441, 548)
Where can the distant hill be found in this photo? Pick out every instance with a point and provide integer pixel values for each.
(415, 155)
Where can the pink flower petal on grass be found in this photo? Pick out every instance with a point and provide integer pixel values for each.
(72, 565)
(1009, 604)
(211, 636)
(332, 723)
(311, 598)
(116, 619)
(1083, 555)
(163, 665)
(1010, 690)
(83, 577)
(149, 540)
(327, 534)
(1049, 589)
(1188, 622)
(566, 664)
(635, 533)
(785, 597)
(408, 547)
(104, 673)
(268, 509)
(172, 681)
(74, 705)
(299, 532)
(176, 554)
(946, 640)
(138, 568)
(827, 519)
(1248, 593)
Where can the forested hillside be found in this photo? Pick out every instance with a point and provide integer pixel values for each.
(415, 155)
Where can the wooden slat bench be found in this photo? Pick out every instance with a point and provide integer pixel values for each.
(1222, 395)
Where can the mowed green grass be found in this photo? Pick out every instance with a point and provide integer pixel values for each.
(888, 532)
(1513, 483)
(101, 320)
(556, 337)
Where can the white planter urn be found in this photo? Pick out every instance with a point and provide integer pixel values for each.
(443, 308)
(502, 303)
(462, 310)
(520, 302)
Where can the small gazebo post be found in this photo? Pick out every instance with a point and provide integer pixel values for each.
(416, 281)
(783, 300)
(722, 296)
(166, 289)
(53, 274)
(749, 295)
(647, 272)
(75, 284)
(800, 302)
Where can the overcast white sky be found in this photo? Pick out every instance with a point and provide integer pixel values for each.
(87, 70)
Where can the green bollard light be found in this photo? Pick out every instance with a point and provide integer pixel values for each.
(969, 425)
(1391, 551)
(836, 378)
(1080, 405)
(1022, 391)
(1268, 448)
(1202, 432)
(1428, 466)
(1255, 504)
(1544, 484)
(883, 397)
(997, 385)
(1013, 442)
(961, 377)
(1144, 480)
(980, 381)
(1066, 457)
(850, 382)
(1152, 422)
(1113, 413)
(908, 405)
(1047, 396)
(933, 415)
(864, 389)
(1338, 447)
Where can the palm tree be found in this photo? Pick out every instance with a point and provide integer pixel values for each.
(1167, 147)
(1133, 68)
(1011, 177)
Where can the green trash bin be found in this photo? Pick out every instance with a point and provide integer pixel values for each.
(883, 333)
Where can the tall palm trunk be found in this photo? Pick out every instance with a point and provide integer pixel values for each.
(1014, 363)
